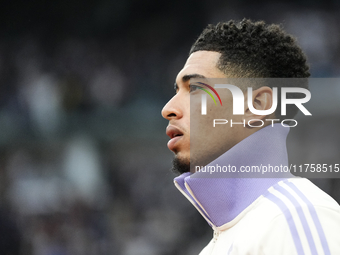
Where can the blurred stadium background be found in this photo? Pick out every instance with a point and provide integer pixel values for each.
(83, 156)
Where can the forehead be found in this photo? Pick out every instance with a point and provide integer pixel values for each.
(202, 63)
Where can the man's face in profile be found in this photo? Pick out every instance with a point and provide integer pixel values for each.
(177, 111)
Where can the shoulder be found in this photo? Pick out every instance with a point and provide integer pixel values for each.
(293, 217)
(308, 215)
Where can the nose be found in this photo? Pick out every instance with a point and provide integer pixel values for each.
(172, 110)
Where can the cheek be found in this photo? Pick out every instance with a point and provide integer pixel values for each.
(195, 107)
(207, 141)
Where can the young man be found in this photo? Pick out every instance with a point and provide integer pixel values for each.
(281, 215)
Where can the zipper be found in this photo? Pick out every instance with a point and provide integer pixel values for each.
(216, 235)
(193, 201)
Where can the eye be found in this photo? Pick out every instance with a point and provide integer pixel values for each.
(193, 88)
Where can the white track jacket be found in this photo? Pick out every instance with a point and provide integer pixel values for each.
(263, 216)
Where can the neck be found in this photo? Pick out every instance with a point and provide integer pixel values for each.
(221, 196)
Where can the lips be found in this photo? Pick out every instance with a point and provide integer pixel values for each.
(173, 131)
(175, 134)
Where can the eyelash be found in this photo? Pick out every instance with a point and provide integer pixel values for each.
(193, 88)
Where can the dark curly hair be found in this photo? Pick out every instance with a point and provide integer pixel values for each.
(255, 50)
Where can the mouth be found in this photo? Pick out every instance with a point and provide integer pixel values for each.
(175, 135)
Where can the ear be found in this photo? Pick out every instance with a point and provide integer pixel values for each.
(262, 99)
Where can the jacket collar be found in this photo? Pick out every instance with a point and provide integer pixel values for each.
(220, 200)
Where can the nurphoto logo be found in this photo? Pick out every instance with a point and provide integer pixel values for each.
(238, 99)
(238, 102)
(204, 97)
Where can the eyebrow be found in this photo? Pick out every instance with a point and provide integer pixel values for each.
(187, 77)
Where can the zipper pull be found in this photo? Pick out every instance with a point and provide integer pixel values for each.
(216, 234)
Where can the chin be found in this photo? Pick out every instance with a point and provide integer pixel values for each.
(180, 165)
(183, 159)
